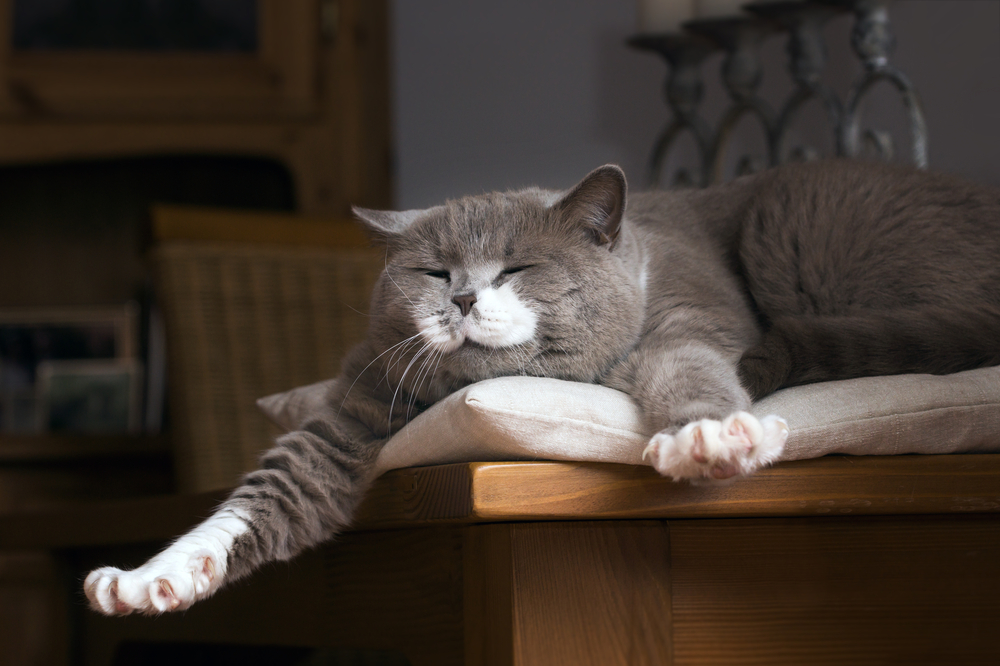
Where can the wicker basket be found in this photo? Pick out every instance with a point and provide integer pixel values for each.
(243, 321)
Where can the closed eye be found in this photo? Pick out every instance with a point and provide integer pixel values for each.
(441, 275)
(515, 269)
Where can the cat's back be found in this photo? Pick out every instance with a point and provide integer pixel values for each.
(850, 233)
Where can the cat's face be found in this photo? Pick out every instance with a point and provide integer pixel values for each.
(509, 283)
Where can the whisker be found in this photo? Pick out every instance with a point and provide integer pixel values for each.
(398, 355)
(360, 374)
(423, 375)
(402, 379)
(389, 275)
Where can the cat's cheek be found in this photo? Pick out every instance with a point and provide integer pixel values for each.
(437, 337)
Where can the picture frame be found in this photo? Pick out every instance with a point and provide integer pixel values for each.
(31, 337)
(92, 396)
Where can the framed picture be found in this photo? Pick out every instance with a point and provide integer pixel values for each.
(32, 337)
(102, 396)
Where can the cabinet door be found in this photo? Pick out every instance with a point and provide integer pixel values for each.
(198, 59)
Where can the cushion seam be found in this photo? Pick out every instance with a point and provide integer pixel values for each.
(482, 408)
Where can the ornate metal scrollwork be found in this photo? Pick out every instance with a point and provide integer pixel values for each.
(806, 49)
(684, 90)
(873, 42)
(741, 74)
(871, 39)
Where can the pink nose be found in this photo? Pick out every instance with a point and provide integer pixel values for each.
(464, 302)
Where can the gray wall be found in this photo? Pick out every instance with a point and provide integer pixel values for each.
(507, 93)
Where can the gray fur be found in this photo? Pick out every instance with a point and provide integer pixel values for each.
(690, 301)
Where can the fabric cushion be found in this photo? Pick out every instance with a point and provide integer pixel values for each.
(531, 418)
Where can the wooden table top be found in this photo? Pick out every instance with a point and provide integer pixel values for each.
(466, 493)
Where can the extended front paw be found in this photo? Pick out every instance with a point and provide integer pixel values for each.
(169, 582)
(718, 450)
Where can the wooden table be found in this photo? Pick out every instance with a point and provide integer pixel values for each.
(841, 560)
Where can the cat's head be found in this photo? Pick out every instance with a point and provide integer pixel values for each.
(526, 282)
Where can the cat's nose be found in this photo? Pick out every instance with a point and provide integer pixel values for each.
(464, 302)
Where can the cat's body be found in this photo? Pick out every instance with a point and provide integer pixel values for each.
(692, 302)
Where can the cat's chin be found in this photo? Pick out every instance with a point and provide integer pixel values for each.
(474, 362)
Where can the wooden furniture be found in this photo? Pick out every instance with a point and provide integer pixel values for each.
(254, 304)
(314, 95)
(840, 560)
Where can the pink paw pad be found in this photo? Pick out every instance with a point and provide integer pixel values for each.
(204, 575)
(698, 445)
(121, 607)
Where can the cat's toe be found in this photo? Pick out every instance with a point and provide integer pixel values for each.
(161, 585)
(671, 455)
(171, 591)
(133, 593)
(713, 451)
(101, 588)
(115, 592)
(204, 577)
(162, 595)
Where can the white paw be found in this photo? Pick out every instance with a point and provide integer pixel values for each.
(713, 450)
(190, 569)
(156, 587)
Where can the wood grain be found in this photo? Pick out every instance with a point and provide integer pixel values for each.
(860, 590)
(834, 485)
(591, 593)
(419, 496)
(567, 593)
(488, 596)
(467, 493)
(183, 223)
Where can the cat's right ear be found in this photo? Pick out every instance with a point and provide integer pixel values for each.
(598, 204)
(386, 223)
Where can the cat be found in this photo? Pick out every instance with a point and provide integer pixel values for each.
(694, 302)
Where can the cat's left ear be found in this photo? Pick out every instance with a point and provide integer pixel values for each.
(387, 222)
(598, 203)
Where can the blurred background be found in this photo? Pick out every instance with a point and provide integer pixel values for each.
(496, 95)
(176, 178)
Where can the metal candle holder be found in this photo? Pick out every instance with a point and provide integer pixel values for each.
(741, 38)
(873, 42)
(684, 90)
(806, 50)
(741, 74)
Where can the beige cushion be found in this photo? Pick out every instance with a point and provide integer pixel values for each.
(530, 418)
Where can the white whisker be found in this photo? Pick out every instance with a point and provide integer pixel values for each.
(360, 374)
(403, 379)
(389, 275)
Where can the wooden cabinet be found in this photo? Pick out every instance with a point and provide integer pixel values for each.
(312, 94)
(840, 560)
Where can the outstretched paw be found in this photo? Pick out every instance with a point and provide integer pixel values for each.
(190, 569)
(165, 583)
(718, 450)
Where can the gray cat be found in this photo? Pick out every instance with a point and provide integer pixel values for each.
(692, 302)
